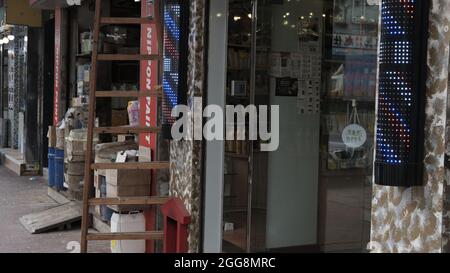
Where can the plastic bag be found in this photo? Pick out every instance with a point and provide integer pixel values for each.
(133, 113)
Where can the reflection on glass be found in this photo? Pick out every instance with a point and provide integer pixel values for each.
(317, 60)
(236, 176)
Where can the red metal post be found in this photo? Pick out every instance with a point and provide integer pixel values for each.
(176, 223)
(148, 105)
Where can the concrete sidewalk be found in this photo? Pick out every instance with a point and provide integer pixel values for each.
(20, 196)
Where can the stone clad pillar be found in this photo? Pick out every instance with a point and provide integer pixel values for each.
(186, 155)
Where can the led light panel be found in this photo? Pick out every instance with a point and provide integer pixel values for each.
(175, 60)
(401, 92)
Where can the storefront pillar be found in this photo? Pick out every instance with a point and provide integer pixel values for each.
(185, 156)
(34, 87)
(415, 219)
(60, 87)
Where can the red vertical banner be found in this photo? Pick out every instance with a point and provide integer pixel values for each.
(148, 106)
(148, 75)
(57, 83)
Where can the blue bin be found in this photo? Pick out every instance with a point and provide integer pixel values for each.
(59, 169)
(51, 167)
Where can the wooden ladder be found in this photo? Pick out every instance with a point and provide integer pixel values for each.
(90, 167)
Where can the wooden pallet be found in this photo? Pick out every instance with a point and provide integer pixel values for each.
(59, 217)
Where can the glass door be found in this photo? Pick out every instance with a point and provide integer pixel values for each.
(316, 59)
(237, 173)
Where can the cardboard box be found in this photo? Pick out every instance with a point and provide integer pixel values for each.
(128, 177)
(127, 191)
(119, 118)
(76, 147)
(75, 168)
(113, 191)
(96, 181)
(75, 195)
(127, 183)
(74, 158)
(51, 135)
(98, 211)
(60, 138)
(80, 101)
(74, 182)
(125, 138)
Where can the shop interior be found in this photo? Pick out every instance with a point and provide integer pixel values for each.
(317, 60)
(118, 75)
(110, 112)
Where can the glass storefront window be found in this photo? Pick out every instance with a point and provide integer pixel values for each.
(316, 59)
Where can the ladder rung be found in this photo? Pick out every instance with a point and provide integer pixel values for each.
(131, 166)
(147, 200)
(125, 20)
(127, 57)
(127, 94)
(126, 130)
(149, 235)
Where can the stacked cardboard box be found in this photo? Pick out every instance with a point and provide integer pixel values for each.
(60, 138)
(51, 135)
(75, 161)
(107, 153)
(127, 183)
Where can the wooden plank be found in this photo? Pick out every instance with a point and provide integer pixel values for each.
(149, 235)
(131, 166)
(126, 20)
(128, 57)
(57, 196)
(88, 173)
(147, 200)
(126, 130)
(52, 218)
(127, 94)
(13, 161)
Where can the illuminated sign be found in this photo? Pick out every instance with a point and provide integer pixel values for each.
(175, 59)
(401, 95)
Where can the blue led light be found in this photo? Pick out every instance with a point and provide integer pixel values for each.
(171, 59)
(394, 131)
(171, 24)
